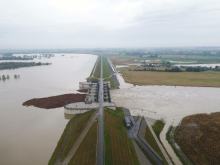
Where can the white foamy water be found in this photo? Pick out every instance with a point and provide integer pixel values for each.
(168, 102)
(29, 135)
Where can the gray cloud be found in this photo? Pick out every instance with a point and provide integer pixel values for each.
(96, 23)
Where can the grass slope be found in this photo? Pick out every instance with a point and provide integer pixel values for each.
(158, 127)
(86, 154)
(152, 142)
(96, 71)
(71, 133)
(118, 147)
(107, 73)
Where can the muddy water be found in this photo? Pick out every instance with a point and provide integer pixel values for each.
(29, 135)
(168, 102)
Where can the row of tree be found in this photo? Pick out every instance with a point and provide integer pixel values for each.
(192, 69)
(7, 77)
(15, 65)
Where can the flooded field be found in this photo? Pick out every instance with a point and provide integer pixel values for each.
(29, 135)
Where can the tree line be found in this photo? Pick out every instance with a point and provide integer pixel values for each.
(15, 65)
(5, 77)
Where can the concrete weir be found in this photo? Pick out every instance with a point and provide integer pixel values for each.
(92, 99)
(81, 107)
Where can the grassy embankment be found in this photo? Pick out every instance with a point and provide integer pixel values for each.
(86, 154)
(107, 73)
(157, 127)
(201, 79)
(118, 147)
(95, 74)
(72, 131)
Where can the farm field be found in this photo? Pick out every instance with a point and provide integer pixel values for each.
(86, 153)
(122, 60)
(118, 147)
(199, 79)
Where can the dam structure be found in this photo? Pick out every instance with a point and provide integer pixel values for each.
(91, 102)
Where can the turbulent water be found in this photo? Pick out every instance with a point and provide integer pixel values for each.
(29, 135)
(168, 102)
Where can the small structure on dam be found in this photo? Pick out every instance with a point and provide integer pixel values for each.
(92, 95)
(91, 100)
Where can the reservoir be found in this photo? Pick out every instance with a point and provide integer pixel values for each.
(29, 135)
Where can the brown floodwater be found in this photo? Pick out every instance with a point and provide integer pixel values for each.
(170, 103)
(29, 135)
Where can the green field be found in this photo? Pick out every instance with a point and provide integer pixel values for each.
(86, 153)
(72, 131)
(119, 149)
(200, 79)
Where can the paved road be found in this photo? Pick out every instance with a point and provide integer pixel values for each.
(100, 153)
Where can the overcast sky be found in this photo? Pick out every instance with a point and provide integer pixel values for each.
(108, 23)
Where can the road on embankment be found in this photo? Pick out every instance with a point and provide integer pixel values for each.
(101, 150)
